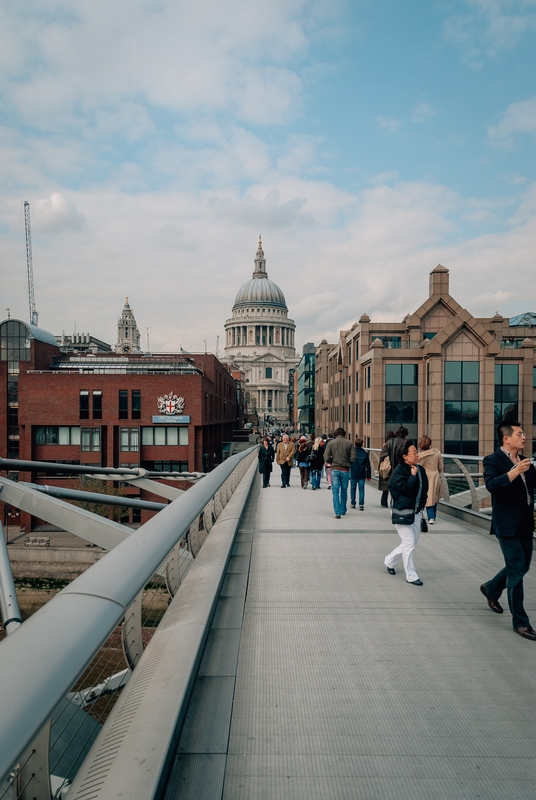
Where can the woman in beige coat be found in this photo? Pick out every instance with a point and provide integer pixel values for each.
(430, 458)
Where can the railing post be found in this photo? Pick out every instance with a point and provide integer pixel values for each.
(470, 481)
(132, 633)
(33, 776)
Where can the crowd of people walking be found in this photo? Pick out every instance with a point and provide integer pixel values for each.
(409, 479)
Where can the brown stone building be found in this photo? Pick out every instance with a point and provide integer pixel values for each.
(440, 372)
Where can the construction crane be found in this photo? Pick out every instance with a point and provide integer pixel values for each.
(29, 264)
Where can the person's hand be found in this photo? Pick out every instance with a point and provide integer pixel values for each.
(414, 470)
(368, 479)
(523, 466)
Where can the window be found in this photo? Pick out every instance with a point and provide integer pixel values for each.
(166, 466)
(90, 439)
(506, 394)
(357, 412)
(429, 335)
(367, 377)
(136, 404)
(84, 405)
(129, 439)
(367, 410)
(162, 435)
(349, 351)
(97, 405)
(401, 397)
(54, 434)
(268, 372)
(390, 342)
(123, 404)
(462, 407)
(357, 381)
(349, 384)
(14, 341)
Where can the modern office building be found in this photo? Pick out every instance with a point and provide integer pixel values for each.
(306, 389)
(260, 341)
(440, 372)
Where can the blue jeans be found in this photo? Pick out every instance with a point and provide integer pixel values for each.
(339, 490)
(315, 478)
(353, 485)
(431, 511)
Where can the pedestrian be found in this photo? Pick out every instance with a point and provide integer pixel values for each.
(431, 459)
(339, 455)
(303, 463)
(266, 458)
(409, 489)
(394, 448)
(327, 439)
(284, 456)
(317, 462)
(359, 473)
(383, 481)
(511, 479)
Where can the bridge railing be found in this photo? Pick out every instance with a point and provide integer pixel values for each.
(43, 659)
(462, 480)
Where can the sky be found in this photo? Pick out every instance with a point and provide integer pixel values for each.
(366, 140)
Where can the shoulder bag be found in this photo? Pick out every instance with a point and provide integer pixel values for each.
(406, 516)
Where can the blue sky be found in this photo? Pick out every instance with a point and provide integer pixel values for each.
(366, 141)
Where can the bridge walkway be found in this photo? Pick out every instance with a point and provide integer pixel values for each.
(326, 678)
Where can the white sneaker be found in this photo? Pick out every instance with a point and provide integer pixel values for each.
(431, 521)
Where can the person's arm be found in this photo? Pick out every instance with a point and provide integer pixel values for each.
(352, 453)
(401, 483)
(367, 465)
(327, 454)
(496, 479)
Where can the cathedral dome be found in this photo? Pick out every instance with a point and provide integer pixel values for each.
(260, 290)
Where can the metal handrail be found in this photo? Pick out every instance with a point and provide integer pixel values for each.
(65, 634)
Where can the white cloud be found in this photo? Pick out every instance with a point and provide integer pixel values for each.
(422, 112)
(518, 118)
(389, 124)
(384, 177)
(489, 28)
(56, 214)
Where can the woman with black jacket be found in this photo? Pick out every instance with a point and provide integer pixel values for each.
(266, 457)
(409, 490)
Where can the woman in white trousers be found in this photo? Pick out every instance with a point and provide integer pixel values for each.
(409, 488)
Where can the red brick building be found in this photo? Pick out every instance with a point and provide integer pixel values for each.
(161, 412)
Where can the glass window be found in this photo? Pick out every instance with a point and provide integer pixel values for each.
(129, 439)
(123, 404)
(268, 372)
(84, 405)
(14, 341)
(136, 404)
(461, 410)
(393, 373)
(510, 374)
(64, 435)
(90, 439)
(97, 405)
(160, 436)
(172, 436)
(453, 371)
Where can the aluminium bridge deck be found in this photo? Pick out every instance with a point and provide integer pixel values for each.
(338, 681)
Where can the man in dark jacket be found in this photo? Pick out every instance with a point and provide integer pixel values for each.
(359, 473)
(510, 479)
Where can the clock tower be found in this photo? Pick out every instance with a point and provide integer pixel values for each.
(128, 335)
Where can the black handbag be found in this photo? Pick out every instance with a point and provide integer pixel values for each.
(406, 516)
(424, 525)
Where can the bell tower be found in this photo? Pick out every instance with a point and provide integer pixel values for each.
(128, 335)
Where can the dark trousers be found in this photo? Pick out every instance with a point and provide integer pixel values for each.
(266, 478)
(285, 474)
(385, 498)
(517, 552)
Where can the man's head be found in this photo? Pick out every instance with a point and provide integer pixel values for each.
(340, 432)
(358, 442)
(511, 436)
(401, 431)
(285, 438)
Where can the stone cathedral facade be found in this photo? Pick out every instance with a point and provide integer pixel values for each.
(259, 339)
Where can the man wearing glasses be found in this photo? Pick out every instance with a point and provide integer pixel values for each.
(510, 479)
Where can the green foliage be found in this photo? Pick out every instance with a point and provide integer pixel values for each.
(86, 484)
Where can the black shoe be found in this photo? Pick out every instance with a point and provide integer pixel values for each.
(353, 505)
(493, 604)
(418, 582)
(361, 508)
(337, 516)
(526, 632)
(391, 571)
